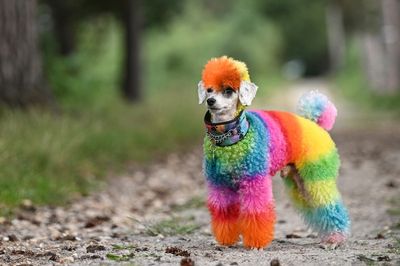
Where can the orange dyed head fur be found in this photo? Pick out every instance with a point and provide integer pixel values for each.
(220, 73)
(226, 87)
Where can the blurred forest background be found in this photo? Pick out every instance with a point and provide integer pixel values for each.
(88, 88)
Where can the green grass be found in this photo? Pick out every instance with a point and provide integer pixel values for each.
(51, 158)
(47, 158)
(120, 258)
(172, 227)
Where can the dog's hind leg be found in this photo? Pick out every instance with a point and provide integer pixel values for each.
(291, 172)
(312, 188)
(223, 204)
(257, 212)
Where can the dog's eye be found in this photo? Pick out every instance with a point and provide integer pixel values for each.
(209, 90)
(228, 92)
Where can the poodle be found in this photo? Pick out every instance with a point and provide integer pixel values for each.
(244, 149)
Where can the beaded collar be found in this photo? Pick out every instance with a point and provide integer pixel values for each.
(227, 133)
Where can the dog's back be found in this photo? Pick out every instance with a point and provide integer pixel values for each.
(294, 139)
(275, 139)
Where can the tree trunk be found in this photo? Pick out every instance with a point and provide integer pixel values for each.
(63, 26)
(21, 76)
(381, 45)
(336, 35)
(132, 74)
(391, 39)
(373, 55)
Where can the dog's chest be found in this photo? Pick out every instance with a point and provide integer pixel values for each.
(227, 166)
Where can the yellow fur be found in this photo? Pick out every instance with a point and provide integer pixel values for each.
(316, 142)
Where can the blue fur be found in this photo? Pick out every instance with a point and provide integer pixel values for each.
(331, 218)
(312, 104)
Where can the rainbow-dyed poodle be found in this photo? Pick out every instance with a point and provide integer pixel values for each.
(244, 149)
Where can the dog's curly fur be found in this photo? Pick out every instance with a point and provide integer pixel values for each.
(240, 197)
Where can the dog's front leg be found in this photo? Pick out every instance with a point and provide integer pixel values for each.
(223, 204)
(257, 212)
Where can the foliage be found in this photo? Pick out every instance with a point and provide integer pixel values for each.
(303, 30)
(179, 52)
(354, 84)
(89, 77)
(50, 158)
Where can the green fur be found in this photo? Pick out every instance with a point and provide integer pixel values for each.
(327, 167)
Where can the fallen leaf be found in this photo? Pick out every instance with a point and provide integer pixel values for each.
(177, 251)
(94, 248)
(12, 238)
(95, 221)
(187, 262)
(293, 236)
(275, 262)
(384, 258)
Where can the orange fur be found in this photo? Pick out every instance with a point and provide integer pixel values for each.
(220, 73)
(258, 228)
(224, 223)
(226, 232)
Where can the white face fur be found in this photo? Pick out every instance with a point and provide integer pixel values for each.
(223, 105)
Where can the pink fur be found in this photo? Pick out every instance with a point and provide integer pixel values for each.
(327, 119)
(255, 194)
(277, 144)
(221, 197)
(334, 238)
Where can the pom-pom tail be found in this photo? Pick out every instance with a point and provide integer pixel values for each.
(316, 107)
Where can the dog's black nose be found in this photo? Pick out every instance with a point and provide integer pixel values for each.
(210, 101)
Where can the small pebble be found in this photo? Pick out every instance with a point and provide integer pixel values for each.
(384, 258)
(275, 262)
(54, 257)
(391, 184)
(292, 236)
(94, 248)
(12, 238)
(67, 260)
(187, 262)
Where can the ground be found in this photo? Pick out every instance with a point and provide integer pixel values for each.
(157, 216)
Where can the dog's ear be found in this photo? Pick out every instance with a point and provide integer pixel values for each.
(201, 91)
(247, 92)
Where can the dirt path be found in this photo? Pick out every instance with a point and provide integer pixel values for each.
(156, 216)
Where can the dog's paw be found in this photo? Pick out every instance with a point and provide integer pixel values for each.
(333, 240)
(326, 246)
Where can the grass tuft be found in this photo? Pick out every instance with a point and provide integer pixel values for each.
(50, 158)
(120, 258)
(172, 227)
